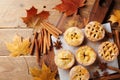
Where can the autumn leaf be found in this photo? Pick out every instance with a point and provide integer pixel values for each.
(33, 19)
(115, 17)
(19, 46)
(69, 6)
(42, 74)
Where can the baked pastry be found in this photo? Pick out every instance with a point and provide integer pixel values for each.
(94, 31)
(73, 36)
(64, 59)
(79, 73)
(85, 55)
(108, 51)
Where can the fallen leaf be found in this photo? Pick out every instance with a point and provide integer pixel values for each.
(19, 46)
(33, 19)
(42, 74)
(69, 6)
(115, 17)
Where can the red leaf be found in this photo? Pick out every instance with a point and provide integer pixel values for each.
(32, 16)
(44, 14)
(69, 6)
(31, 12)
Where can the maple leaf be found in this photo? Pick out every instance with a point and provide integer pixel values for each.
(42, 74)
(115, 17)
(69, 6)
(33, 19)
(19, 46)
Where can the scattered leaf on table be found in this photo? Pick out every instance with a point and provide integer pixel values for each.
(69, 6)
(115, 17)
(42, 74)
(19, 46)
(33, 19)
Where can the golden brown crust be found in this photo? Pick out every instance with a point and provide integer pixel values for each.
(94, 31)
(85, 55)
(108, 51)
(79, 73)
(64, 59)
(73, 36)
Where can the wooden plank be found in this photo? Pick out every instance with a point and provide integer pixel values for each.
(11, 11)
(100, 10)
(16, 68)
(7, 35)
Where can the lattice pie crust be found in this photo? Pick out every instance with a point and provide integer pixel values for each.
(94, 31)
(108, 51)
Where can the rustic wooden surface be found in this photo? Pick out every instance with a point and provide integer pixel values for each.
(11, 12)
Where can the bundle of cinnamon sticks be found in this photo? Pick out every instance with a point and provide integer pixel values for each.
(41, 42)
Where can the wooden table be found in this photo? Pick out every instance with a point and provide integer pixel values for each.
(11, 12)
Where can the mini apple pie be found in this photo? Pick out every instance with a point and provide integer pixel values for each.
(64, 59)
(85, 55)
(94, 31)
(73, 36)
(108, 51)
(79, 73)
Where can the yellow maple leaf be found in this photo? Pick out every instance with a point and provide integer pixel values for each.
(19, 46)
(42, 74)
(115, 17)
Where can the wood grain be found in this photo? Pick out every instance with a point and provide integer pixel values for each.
(16, 68)
(11, 12)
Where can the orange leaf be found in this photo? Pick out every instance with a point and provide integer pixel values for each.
(33, 18)
(44, 73)
(69, 6)
(44, 14)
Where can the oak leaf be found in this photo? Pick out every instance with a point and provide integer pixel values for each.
(115, 17)
(33, 19)
(19, 46)
(42, 74)
(69, 6)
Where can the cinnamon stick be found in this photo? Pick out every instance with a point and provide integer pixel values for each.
(114, 69)
(33, 44)
(44, 45)
(40, 42)
(117, 38)
(110, 77)
(49, 39)
(50, 30)
(53, 27)
(37, 51)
